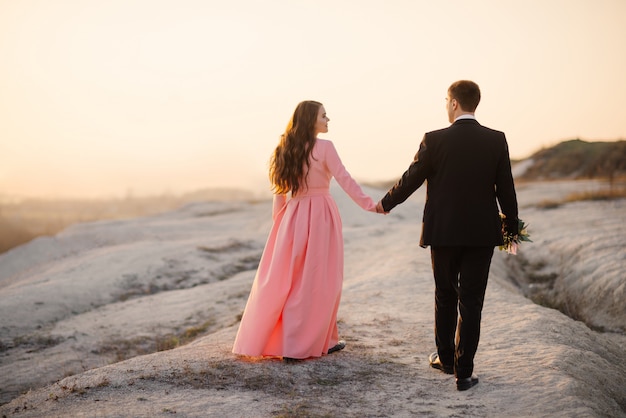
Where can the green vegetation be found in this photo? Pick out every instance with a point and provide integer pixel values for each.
(616, 191)
(577, 159)
(123, 349)
(169, 341)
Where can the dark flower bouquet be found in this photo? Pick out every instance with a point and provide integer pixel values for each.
(512, 241)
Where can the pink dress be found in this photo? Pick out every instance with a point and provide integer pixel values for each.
(293, 303)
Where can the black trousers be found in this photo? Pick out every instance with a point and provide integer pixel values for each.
(460, 283)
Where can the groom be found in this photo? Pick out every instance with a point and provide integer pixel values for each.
(467, 169)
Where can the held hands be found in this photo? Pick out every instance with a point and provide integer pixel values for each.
(380, 209)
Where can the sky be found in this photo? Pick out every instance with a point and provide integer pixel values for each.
(142, 97)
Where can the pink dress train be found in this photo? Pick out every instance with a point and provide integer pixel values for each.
(293, 303)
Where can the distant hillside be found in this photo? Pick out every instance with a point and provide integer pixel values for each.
(12, 235)
(577, 159)
(24, 220)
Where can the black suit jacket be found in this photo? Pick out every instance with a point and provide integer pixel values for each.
(467, 169)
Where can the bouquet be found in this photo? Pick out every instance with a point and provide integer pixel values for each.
(512, 241)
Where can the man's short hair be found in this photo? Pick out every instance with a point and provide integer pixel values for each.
(467, 93)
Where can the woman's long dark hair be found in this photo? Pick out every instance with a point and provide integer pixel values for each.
(289, 165)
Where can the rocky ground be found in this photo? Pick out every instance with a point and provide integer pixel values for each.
(83, 316)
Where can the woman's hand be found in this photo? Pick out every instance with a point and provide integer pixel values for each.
(380, 209)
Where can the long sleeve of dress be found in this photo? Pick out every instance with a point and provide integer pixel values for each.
(347, 183)
(279, 202)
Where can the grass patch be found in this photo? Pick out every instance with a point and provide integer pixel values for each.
(121, 350)
(167, 343)
(613, 193)
(599, 195)
(577, 159)
(32, 343)
(172, 341)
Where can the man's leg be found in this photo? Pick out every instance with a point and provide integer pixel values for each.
(474, 271)
(446, 265)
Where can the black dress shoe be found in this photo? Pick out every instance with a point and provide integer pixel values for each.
(339, 346)
(435, 363)
(466, 383)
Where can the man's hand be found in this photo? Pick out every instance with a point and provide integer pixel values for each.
(380, 209)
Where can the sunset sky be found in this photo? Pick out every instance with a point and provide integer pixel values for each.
(110, 98)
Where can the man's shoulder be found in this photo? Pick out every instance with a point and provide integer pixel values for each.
(487, 129)
(437, 132)
(462, 126)
(491, 130)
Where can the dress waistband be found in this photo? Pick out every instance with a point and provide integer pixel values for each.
(313, 191)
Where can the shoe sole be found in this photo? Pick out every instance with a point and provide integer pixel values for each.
(466, 385)
(338, 347)
(441, 368)
(439, 365)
